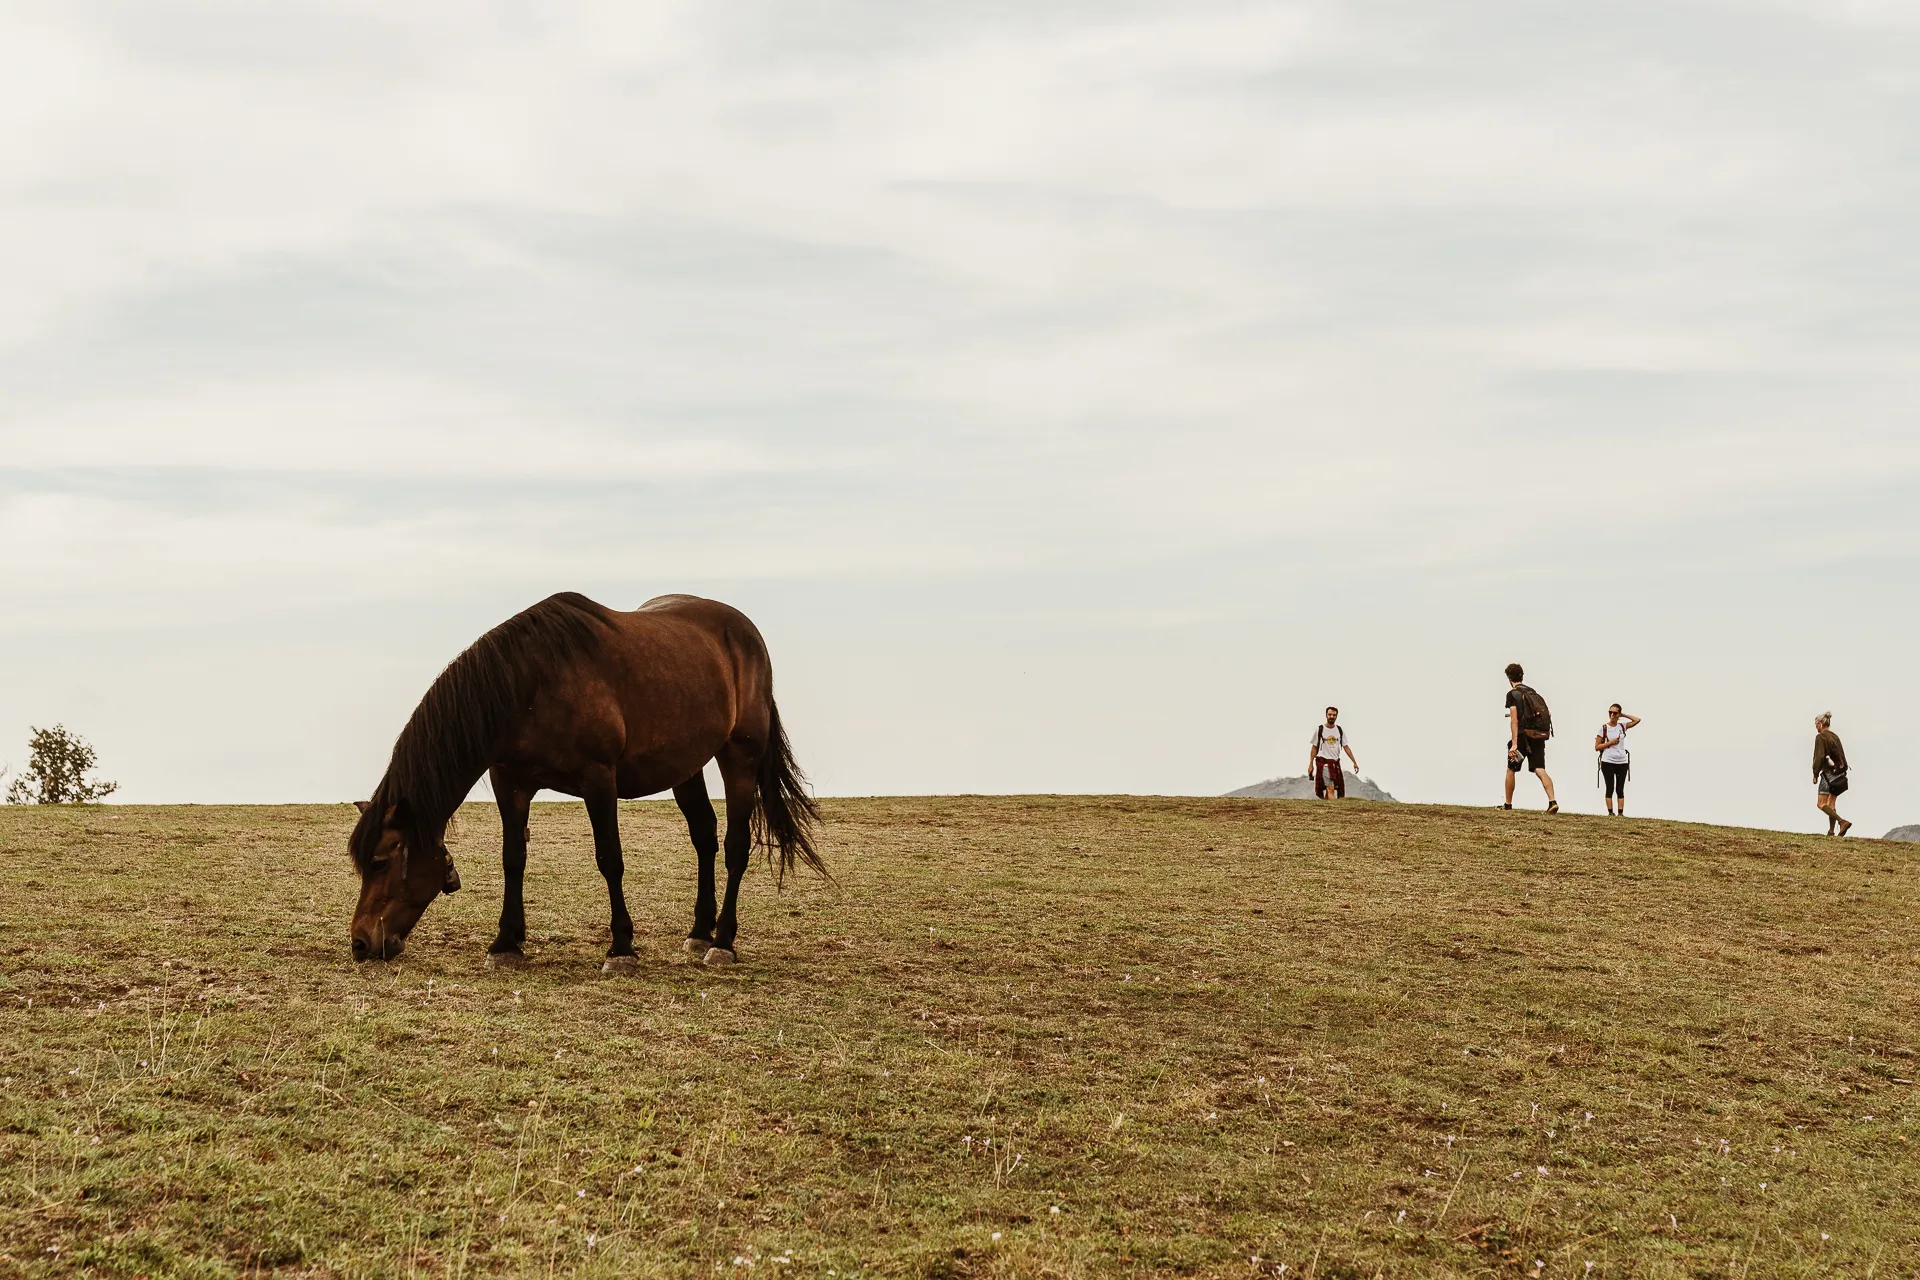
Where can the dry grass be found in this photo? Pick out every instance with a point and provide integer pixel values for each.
(1032, 1037)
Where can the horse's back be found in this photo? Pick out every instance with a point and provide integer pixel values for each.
(685, 626)
(723, 621)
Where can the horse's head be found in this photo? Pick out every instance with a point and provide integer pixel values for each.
(396, 882)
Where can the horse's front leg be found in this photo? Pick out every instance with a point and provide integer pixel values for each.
(513, 801)
(704, 830)
(603, 809)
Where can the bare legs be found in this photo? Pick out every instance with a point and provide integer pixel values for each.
(1546, 780)
(1835, 823)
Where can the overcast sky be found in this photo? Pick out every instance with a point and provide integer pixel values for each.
(1079, 396)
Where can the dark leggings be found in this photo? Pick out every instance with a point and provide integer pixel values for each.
(1616, 776)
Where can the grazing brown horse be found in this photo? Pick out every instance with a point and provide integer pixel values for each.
(572, 696)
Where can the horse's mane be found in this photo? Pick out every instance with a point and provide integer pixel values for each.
(452, 736)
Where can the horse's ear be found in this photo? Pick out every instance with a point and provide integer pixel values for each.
(363, 805)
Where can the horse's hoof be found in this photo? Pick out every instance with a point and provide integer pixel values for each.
(620, 964)
(719, 957)
(697, 946)
(505, 960)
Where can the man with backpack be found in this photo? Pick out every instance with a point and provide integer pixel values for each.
(1323, 758)
(1529, 725)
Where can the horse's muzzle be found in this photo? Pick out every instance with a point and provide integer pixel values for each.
(390, 950)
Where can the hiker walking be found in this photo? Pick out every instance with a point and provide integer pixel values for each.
(1615, 761)
(1829, 771)
(1529, 725)
(1323, 758)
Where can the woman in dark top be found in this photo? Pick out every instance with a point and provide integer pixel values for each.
(1829, 771)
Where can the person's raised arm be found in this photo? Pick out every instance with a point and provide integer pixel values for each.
(1630, 720)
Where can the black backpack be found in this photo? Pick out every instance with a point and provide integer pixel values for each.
(1535, 720)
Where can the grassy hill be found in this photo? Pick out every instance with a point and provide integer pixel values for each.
(1022, 1037)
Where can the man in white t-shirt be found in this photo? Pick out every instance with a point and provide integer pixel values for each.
(1323, 759)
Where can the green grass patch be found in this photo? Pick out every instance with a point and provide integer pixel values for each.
(1021, 1037)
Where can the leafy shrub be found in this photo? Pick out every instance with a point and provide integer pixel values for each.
(57, 770)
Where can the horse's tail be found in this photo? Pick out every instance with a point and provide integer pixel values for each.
(784, 815)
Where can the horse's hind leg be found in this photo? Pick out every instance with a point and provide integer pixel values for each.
(741, 774)
(604, 812)
(704, 829)
(513, 801)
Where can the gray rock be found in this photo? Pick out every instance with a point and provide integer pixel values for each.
(1904, 833)
(1358, 788)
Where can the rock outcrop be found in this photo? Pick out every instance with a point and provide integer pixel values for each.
(1904, 833)
(1358, 788)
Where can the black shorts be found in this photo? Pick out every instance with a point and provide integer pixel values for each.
(1533, 751)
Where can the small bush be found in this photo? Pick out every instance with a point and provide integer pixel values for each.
(57, 770)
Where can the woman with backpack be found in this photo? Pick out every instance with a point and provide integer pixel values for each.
(1829, 771)
(1611, 743)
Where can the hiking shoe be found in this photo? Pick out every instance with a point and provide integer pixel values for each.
(1553, 806)
(1506, 806)
(1845, 827)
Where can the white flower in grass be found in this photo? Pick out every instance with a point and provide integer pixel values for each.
(996, 1235)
